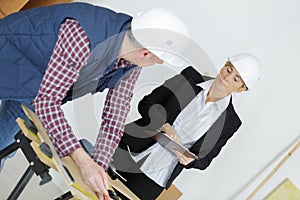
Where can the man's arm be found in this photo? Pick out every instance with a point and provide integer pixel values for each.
(69, 54)
(116, 108)
(62, 71)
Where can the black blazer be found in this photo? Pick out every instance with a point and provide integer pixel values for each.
(164, 104)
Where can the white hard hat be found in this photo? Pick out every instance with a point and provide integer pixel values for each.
(161, 32)
(248, 67)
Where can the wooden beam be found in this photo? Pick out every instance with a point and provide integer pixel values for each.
(276, 168)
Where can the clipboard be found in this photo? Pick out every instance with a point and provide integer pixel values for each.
(170, 144)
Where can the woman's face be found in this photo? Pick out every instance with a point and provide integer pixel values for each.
(229, 80)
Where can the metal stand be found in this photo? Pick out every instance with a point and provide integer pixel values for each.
(66, 196)
(21, 184)
(35, 165)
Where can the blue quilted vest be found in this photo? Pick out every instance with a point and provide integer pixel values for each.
(27, 40)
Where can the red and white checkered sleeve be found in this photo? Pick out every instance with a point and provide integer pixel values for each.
(116, 108)
(70, 53)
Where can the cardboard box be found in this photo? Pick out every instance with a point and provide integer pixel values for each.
(171, 193)
(10, 6)
(39, 3)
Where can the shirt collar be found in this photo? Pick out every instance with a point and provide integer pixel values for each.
(222, 104)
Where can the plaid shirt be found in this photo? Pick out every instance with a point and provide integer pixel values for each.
(70, 54)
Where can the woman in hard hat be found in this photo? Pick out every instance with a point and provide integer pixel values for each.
(192, 109)
(51, 55)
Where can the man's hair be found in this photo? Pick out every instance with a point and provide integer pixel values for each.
(131, 37)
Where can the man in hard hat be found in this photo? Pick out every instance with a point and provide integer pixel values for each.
(54, 54)
(195, 110)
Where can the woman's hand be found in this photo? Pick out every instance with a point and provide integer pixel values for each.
(170, 131)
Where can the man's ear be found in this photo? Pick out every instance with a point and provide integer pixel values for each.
(144, 52)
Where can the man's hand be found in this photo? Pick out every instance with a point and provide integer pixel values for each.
(182, 158)
(92, 174)
(170, 131)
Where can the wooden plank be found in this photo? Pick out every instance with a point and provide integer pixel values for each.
(78, 183)
(27, 133)
(46, 160)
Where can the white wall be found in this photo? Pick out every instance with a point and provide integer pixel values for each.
(270, 30)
